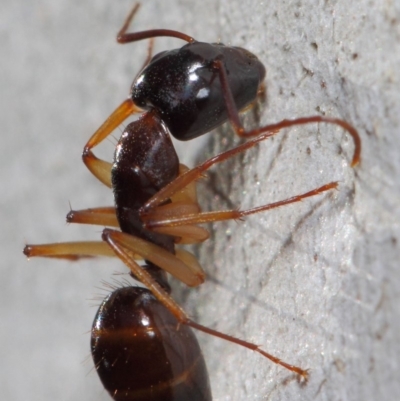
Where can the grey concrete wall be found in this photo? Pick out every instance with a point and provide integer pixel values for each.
(316, 284)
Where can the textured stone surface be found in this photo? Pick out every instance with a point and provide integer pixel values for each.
(316, 284)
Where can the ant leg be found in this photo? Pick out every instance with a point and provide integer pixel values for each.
(99, 216)
(123, 37)
(260, 134)
(111, 237)
(99, 168)
(183, 202)
(126, 108)
(238, 127)
(119, 115)
(183, 265)
(153, 222)
(69, 250)
(184, 234)
(104, 216)
(115, 242)
(195, 173)
(301, 372)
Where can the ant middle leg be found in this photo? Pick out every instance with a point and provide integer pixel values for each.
(197, 172)
(154, 222)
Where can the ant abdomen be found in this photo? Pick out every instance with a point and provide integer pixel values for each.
(142, 353)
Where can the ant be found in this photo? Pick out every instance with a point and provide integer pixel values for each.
(142, 343)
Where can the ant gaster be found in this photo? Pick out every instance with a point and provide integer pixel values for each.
(142, 344)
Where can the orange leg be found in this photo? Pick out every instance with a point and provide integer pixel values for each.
(194, 174)
(257, 135)
(239, 129)
(69, 250)
(125, 109)
(154, 221)
(100, 216)
(99, 167)
(183, 265)
(128, 248)
(117, 241)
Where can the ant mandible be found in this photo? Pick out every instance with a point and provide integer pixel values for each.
(186, 92)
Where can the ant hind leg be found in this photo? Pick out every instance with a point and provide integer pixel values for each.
(122, 249)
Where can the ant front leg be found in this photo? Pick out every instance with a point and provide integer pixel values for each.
(100, 168)
(239, 129)
(96, 166)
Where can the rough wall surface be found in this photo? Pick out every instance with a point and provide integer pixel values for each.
(316, 284)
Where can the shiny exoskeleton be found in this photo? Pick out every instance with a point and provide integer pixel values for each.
(142, 344)
(140, 354)
(145, 161)
(189, 99)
